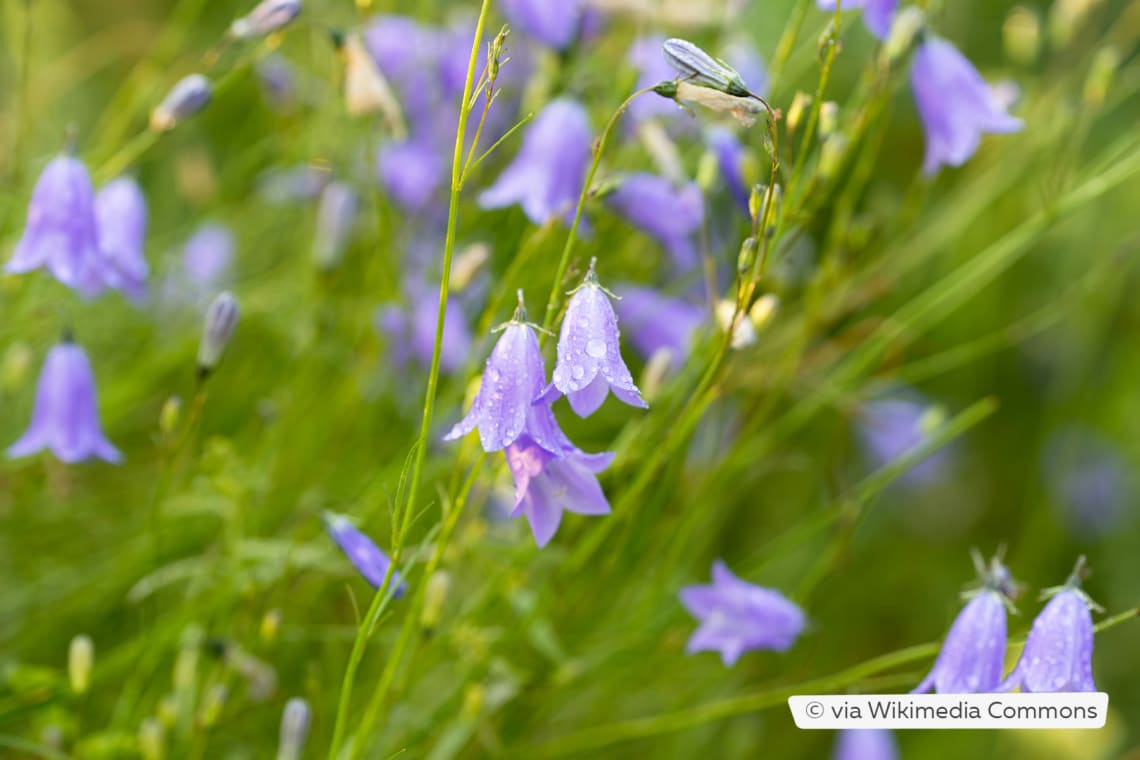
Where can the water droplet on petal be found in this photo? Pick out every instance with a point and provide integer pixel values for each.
(578, 371)
(596, 348)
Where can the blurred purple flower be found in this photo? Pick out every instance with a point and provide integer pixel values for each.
(61, 231)
(877, 14)
(865, 744)
(556, 23)
(652, 68)
(408, 55)
(278, 81)
(737, 616)
(748, 63)
(207, 256)
(411, 332)
(589, 354)
(1058, 653)
(294, 183)
(121, 219)
(670, 215)
(546, 176)
(1087, 479)
(889, 427)
(265, 18)
(365, 556)
(730, 159)
(66, 417)
(412, 172)
(956, 105)
(187, 97)
(546, 484)
(654, 322)
(336, 215)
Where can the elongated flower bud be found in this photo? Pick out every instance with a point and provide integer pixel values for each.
(294, 729)
(221, 321)
(434, 597)
(266, 17)
(701, 69)
(188, 97)
(80, 660)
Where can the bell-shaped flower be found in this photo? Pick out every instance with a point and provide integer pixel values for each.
(737, 616)
(865, 744)
(956, 105)
(891, 426)
(66, 416)
(655, 322)
(413, 173)
(973, 653)
(407, 55)
(295, 722)
(877, 14)
(121, 217)
(548, 484)
(61, 232)
(589, 353)
(547, 175)
(555, 23)
(1058, 653)
(364, 555)
(411, 331)
(670, 215)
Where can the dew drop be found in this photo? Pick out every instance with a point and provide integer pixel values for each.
(596, 348)
(578, 371)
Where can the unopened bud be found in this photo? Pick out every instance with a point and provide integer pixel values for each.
(434, 597)
(188, 97)
(744, 334)
(1101, 73)
(1021, 35)
(905, 32)
(801, 102)
(266, 17)
(169, 416)
(757, 205)
(80, 661)
(335, 217)
(828, 119)
(747, 258)
(763, 310)
(831, 156)
(221, 321)
(498, 48)
(700, 69)
(152, 739)
(828, 39)
(295, 720)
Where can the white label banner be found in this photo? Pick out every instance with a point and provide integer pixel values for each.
(1070, 710)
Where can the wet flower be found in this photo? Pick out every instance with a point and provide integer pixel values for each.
(877, 14)
(589, 353)
(865, 744)
(295, 721)
(221, 321)
(655, 322)
(61, 231)
(1058, 653)
(973, 653)
(737, 616)
(546, 176)
(547, 484)
(555, 23)
(335, 217)
(65, 418)
(413, 172)
(266, 17)
(670, 215)
(365, 556)
(121, 217)
(956, 105)
(189, 96)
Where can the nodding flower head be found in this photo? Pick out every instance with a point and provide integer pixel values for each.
(121, 215)
(974, 650)
(189, 96)
(266, 17)
(61, 231)
(1058, 653)
(697, 67)
(364, 555)
(66, 417)
(669, 214)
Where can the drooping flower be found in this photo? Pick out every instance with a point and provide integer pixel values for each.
(61, 231)
(121, 218)
(655, 322)
(589, 353)
(670, 215)
(891, 426)
(411, 331)
(555, 23)
(973, 653)
(956, 105)
(188, 96)
(547, 484)
(335, 217)
(698, 68)
(364, 555)
(877, 14)
(547, 175)
(737, 616)
(266, 17)
(865, 744)
(65, 418)
(1058, 653)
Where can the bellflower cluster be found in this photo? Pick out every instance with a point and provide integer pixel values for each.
(365, 556)
(737, 616)
(670, 215)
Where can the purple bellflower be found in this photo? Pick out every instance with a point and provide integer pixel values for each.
(1058, 653)
(66, 417)
(412, 172)
(655, 322)
(407, 54)
(61, 231)
(1088, 480)
(555, 23)
(411, 331)
(547, 175)
(891, 426)
(670, 215)
(973, 653)
(365, 556)
(956, 105)
(730, 160)
(865, 744)
(121, 217)
(266, 17)
(737, 616)
(547, 484)
(877, 14)
(589, 353)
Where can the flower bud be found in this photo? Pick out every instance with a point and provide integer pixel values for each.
(744, 335)
(221, 321)
(828, 119)
(831, 155)
(152, 739)
(169, 416)
(1101, 73)
(828, 39)
(763, 310)
(266, 17)
(801, 102)
(905, 31)
(188, 97)
(747, 257)
(700, 69)
(1021, 35)
(335, 217)
(757, 208)
(434, 597)
(80, 660)
(295, 722)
